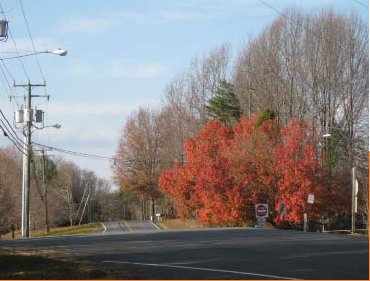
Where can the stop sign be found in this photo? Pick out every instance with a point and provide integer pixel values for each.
(262, 211)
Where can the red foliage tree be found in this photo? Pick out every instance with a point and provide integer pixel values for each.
(299, 167)
(227, 170)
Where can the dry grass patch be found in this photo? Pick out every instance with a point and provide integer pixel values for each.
(179, 223)
(67, 230)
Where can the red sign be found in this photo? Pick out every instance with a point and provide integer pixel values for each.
(262, 211)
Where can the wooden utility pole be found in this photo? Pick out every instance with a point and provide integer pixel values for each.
(26, 182)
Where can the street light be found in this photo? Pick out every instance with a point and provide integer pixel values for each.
(354, 193)
(28, 120)
(56, 126)
(45, 187)
(58, 52)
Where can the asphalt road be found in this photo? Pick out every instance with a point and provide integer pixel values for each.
(228, 253)
(120, 227)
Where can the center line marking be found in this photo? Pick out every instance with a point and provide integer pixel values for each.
(204, 269)
(105, 228)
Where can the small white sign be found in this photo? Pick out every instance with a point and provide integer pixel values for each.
(261, 223)
(310, 199)
(262, 211)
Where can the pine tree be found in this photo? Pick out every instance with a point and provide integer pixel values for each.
(224, 106)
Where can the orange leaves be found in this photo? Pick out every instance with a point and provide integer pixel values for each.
(228, 169)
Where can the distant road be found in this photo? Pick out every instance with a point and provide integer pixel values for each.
(117, 227)
(113, 227)
(226, 253)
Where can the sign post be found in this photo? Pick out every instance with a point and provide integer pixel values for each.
(310, 200)
(261, 215)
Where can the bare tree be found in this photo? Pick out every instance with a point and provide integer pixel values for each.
(10, 188)
(137, 167)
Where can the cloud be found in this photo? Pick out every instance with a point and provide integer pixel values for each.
(117, 69)
(164, 17)
(84, 135)
(128, 69)
(98, 109)
(89, 26)
(80, 69)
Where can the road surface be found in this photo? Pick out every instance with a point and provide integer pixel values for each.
(119, 227)
(227, 253)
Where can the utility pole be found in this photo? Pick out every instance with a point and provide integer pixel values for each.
(45, 191)
(26, 182)
(354, 200)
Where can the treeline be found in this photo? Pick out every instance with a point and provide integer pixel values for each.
(305, 67)
(61, 193)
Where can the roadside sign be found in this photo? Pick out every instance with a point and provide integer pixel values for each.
(310, 199)
(261, 223)
(262, 211)
(282, 209)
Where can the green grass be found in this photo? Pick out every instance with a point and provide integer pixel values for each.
(70, 230)
(14, 266)
(67, 230)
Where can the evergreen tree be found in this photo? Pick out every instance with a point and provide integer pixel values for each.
(224, 105)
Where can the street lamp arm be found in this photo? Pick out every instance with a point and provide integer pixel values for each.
(58, 52)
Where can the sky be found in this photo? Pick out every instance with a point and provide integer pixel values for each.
(121, 55)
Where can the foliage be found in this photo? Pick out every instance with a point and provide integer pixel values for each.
(229, 169)
(267, 114)
(224, 105)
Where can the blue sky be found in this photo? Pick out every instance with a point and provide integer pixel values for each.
(121, 55)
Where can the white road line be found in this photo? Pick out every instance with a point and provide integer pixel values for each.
(309, 255)
(205, 269)
(156, 226)
(105, 228)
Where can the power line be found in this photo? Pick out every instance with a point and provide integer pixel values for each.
(33, 44)
(10, 126)
(9, 135)
(361, 3)
(14, 44)
(90, 156)
(7, 83)
(287, 17)
(11, 9)
(75, 153)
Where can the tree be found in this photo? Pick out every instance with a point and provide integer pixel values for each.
(66, 186)
(10, 188)
(138, 166)
(229, 169)
(300, 174)
(224, 105)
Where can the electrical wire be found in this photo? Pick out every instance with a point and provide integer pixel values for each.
(361, 3)
(75, 153)
(33, 44)
(14, 44)
(8, 135)
(11, 137)
(7, 83)
(12, 8)
(287, 17)
(10, 126)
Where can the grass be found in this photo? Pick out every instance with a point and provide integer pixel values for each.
(31, 267)
(179, 224)
(67, 230)
(70, 230)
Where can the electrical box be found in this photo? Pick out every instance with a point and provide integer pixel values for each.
(39, 116)
(28, 115)
(3, 29)
(19, 116)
